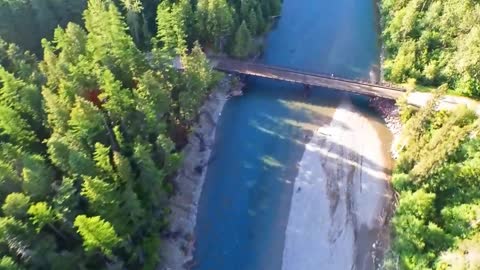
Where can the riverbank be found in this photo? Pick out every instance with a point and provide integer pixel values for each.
(178, 243)
(344, 177)
(388, 110)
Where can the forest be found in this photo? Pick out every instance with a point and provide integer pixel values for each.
(431, 43)
(232, 26)
(93, 120)
(436, 179)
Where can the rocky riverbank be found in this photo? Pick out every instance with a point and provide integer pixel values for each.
(178, 242)
(390, 113)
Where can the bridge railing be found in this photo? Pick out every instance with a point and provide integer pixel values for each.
(321, 75)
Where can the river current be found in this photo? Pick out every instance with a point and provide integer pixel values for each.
(271, 199)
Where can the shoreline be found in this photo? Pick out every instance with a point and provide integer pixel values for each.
(178, 243)
(389, 112)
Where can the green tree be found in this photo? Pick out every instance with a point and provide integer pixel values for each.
(242, 43)
(14, 128)
(463, 257)
(153, 100)
(97, 234)
(15, 235)
(214, 21)
(171, 28)
(134, 9)
(41, 214)
(37, 176)
(253, 22)
(197, 80)
(66, 200)
(16, 205)
(117, 100)
(7, 263)
(86, 121)
(108, 42)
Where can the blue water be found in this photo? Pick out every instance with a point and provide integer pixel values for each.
(245, 200)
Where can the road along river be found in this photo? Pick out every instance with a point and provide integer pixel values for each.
(294, 182)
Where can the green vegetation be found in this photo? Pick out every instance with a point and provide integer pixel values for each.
(433, 43)
(437, 177)
(430, 44)
(212, 22)
(242, 43)
(90, 135)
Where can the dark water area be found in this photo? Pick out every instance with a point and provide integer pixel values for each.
(245, 202)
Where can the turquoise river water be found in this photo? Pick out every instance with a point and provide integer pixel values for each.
(261, 136)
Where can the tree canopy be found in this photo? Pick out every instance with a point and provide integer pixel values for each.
(433, 43)
(435, 224)
(88, 142)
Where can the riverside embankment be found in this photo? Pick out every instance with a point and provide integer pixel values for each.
(178, 242)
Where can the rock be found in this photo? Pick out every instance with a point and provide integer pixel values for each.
(390, 113)
(236, 93)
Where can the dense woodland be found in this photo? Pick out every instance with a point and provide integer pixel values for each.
(437, 176)
(213, 22)
(90, 134)
(436, 223)
(433, 43)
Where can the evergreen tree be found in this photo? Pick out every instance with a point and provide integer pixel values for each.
(16, 205)
(188, 16)
(214, 21)
(108, 42)
(86, 122)
(97, 234)
(153, 99)
(134, 9)
(261, 22)
(7, 263)
(171, 28)
(252, 22)
(41, 214)
(14, 128)
(242, 43)
(87, 131)
(198, 78)
(37, 176)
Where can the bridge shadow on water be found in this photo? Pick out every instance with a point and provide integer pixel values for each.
(245, 201)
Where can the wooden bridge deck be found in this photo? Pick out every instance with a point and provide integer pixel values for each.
(283, 74)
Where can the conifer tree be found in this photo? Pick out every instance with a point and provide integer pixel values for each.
(214, 21)
(171, 29)
(253, 22)
(14, 128)
(7, 263)
(108, 42)
(242, 43)
(41, 215)
(16, 205)
(134, 9)
(261, 22)
(37, 176)
(188, 17)
(86, 133)
(97, 234)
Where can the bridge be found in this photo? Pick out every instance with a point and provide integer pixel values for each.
(416, 99)
(305, 78)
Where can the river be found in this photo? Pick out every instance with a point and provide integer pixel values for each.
(298, 183)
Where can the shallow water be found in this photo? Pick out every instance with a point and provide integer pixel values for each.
(261, 137)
